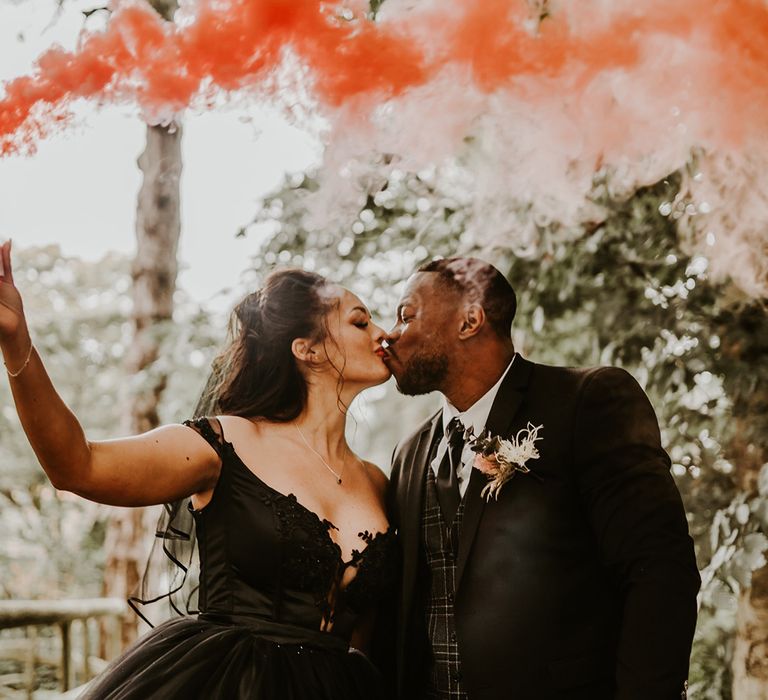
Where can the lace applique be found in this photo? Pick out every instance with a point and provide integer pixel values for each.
(314, 563)
(203, 427)
(377, 570)
(312, 557)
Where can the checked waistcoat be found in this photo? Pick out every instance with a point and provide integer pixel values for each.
(440, 547)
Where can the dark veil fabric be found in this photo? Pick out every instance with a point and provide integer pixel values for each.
(169, 584)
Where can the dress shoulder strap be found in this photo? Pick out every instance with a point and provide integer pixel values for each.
(211, 431)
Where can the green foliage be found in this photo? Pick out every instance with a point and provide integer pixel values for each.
(79, 315)
(78, 318)
(709, 676)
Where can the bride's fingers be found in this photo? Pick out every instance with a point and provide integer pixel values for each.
(6, 269)
(8, 264)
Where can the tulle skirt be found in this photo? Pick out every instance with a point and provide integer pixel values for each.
(223, 658)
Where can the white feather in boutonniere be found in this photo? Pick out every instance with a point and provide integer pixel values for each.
(501, 459)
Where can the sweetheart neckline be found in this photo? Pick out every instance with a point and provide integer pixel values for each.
(356, 554)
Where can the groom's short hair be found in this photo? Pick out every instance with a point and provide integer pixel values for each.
(480, 282)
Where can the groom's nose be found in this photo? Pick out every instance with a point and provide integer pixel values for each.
(393, 335)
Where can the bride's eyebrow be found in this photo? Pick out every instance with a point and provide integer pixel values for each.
(361, 308)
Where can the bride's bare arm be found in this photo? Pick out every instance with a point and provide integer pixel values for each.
(159, 466)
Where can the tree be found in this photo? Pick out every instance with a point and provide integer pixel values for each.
(154, 271)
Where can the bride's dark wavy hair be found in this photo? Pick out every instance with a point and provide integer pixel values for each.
(257, 375)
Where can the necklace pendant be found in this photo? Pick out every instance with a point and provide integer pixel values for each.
(339, 481)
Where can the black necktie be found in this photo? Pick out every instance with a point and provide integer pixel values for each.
(448, 471)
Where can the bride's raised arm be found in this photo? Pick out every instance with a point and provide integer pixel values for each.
(159, 466)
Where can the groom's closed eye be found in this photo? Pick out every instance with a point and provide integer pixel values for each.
(404, 315)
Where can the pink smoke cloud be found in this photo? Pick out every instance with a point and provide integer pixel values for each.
(620, 88)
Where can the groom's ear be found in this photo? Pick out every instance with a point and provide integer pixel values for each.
(472, 321)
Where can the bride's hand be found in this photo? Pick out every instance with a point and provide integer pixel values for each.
(12, 322)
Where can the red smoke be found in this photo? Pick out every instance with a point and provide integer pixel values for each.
(231, 44)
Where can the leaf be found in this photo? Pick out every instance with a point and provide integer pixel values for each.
(718, 558)
(749, 558)
(762, 480)
(742, 514)
(756, 542)
(760, 511)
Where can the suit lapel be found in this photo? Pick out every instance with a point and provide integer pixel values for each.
(412, 499)
(500, 419)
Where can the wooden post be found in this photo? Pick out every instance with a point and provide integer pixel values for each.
(86, 649)
(114, 643)
(66, 653)
(31, 661)
(30, 614)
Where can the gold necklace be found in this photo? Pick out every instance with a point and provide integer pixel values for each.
(338, 475)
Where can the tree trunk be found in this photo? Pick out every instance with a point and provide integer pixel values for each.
(158, 227)
(750, 453)
(750, 656)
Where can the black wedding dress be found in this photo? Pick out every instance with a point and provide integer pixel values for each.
(274, 621)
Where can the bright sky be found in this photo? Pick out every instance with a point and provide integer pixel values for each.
(80, 189)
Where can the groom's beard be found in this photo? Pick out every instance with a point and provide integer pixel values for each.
(422, 374)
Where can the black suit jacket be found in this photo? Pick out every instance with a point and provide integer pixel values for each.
(580, 583)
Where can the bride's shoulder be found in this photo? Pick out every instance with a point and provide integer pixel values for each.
(237, 426)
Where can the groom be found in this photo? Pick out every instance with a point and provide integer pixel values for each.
(579, 580)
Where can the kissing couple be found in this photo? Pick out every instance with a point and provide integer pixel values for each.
(530, 543)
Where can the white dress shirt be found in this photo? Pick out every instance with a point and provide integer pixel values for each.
(475, 417)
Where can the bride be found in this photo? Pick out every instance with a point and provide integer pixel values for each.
(295, 547)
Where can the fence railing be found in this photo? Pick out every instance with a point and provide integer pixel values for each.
(32, 614)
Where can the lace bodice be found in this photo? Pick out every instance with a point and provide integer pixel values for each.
(263, 553)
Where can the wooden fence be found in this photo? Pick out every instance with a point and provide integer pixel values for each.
(33, 614)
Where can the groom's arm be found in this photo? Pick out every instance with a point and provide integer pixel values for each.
(639, 520)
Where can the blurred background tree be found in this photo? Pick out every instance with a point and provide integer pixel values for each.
(80, 317)
(153, 271)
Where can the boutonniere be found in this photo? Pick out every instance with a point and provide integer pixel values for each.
(501, 459)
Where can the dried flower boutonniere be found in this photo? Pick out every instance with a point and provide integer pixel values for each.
(500, 459)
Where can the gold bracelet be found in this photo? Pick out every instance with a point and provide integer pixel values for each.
(24, 366)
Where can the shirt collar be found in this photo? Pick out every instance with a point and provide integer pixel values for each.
(476, 416)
